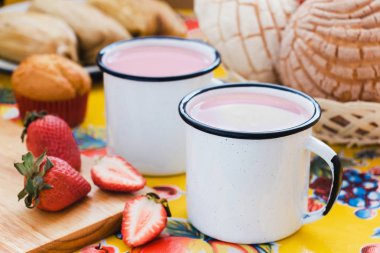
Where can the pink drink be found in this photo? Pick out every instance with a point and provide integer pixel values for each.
(248, 112)
(156, 61)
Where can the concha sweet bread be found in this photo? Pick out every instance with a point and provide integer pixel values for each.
(247, 33)
(93, 29)
(143, 17)
(25, 34)
(331, 49)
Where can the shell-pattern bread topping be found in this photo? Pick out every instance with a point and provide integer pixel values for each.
(50, 78)
(246, 32)
(25, 34)
(331, 49)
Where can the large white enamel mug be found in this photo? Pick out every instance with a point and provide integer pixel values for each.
(143, 124)
(252, 187)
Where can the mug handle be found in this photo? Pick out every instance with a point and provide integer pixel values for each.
(326, 153)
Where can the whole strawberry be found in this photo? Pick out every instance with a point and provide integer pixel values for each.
(51, 134)
(51, 184)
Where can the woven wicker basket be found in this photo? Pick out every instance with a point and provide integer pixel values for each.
(352, 123)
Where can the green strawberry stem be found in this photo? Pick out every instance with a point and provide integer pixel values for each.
(153, 196)
(29, 118)
(34, 175)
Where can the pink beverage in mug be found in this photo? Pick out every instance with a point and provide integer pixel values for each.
(253, 141)
(249, 112)
(157, 61)
(144, 80)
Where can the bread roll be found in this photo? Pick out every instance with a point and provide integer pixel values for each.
(331, 49)
(246, 33)
(25, 34)
(93, 29)
(143, 17)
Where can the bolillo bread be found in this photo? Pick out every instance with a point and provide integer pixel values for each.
(94, 29)
(25, 34)
(143, 17)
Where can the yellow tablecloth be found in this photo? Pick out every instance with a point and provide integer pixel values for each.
(340, 232)
(352, 225)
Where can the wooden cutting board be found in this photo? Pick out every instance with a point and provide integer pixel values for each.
(33, 230)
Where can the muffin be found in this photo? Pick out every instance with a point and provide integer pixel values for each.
(53, 84)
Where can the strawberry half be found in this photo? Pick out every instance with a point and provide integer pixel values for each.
(144, 218)
(113, 173)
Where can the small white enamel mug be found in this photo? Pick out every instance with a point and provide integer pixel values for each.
(252, 187)
(143, 124)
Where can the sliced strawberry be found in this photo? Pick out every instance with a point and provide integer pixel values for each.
(144, 218)
(113, 173)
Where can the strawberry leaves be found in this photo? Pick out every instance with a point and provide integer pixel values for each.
(28, 161)
(20, 168)
(31, 193)
(31, 169)
(22, 194)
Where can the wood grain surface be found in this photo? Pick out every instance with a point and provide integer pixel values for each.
(33, 230)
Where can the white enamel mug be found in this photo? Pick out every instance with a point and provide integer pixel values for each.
(252, 187)
(143, 124)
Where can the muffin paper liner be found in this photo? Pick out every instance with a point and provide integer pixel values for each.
(72, 111)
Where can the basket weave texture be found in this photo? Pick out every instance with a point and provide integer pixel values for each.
(350, 123)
